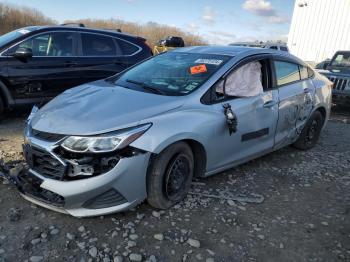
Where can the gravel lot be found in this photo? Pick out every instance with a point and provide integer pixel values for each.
(305, 215)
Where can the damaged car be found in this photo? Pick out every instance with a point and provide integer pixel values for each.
(147, 132)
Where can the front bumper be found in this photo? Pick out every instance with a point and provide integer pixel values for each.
(121, 188)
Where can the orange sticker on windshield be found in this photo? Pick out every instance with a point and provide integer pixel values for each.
(198, 69)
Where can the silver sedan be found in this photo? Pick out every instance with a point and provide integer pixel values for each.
(145, 133)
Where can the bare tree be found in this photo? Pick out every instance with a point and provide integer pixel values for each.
(153, 32)
(13, 17)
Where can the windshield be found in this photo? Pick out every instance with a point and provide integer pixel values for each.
(7, 38)
(172, 73)
(341, 60)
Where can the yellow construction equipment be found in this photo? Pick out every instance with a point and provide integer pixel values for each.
(161, 49)
(167, 44)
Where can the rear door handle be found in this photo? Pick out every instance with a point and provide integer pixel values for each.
(270, 104)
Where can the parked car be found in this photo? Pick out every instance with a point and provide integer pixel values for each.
(338, 71)
(276, 46)
(172, 41)
(146, 133)
(323, 65)
(39, 62)
(269, 45)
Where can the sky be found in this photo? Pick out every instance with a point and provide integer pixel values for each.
(218, 22)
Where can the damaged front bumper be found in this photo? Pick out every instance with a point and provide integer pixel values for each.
(120, 188)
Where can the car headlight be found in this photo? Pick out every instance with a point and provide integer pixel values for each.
(104, 143)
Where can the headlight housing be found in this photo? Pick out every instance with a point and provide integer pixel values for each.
(104, 143)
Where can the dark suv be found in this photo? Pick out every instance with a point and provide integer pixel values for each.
(39, 62)
(338, 71)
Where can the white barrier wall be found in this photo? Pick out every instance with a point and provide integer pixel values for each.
(319, 28)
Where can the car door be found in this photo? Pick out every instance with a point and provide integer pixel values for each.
(296, 99)
(50, 70)
(99, 57)
(256, 123)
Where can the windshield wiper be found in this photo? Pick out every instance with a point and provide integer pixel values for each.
(146, 87)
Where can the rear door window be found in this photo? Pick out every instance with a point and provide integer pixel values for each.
(127, 48)
(286, 72)
(98, 45)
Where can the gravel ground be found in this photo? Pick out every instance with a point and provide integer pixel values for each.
(305, 215)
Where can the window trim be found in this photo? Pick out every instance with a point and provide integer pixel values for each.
(243, 61)
(281, 59)
(78, 45)
(75, 43)
(115, 43)
(81, 52)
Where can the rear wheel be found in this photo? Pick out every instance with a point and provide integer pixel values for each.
(311, 132)
(170, 176)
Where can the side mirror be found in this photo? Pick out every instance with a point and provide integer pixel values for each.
(326, 65)
(23, 53)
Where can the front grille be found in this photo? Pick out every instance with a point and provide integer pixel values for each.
(45, 164)
(49, 137)
(340, 83)
(30, 185)
(108, 199)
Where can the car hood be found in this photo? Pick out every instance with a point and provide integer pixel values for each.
(100, 107)
(336, 72)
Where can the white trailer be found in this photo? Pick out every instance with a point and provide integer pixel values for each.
(319, 28)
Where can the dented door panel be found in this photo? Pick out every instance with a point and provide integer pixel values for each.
(296, 102)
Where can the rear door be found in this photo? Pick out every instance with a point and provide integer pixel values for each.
(99, 57)
(50, 71)
(296, 99)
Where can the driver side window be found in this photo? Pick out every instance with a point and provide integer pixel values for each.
(58, 44)
(250, 79)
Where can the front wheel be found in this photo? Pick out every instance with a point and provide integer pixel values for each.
(170, 176)
(311, 132)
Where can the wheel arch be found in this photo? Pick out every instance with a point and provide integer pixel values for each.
(200, 157)
(323, 112)
(199, 154)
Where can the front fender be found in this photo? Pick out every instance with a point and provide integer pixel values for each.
(198, 125)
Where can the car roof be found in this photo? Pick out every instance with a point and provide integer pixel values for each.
(81, 29)
(233, 51)
(225, 50)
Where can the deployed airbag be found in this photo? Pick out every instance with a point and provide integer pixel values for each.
(244, 82)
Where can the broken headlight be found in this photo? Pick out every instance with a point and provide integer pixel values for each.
(104, 143)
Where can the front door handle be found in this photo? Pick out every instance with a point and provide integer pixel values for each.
(270, 103)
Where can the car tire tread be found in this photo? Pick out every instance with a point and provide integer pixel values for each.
(156, 175)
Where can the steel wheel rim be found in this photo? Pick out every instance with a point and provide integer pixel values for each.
(312, 131)
(176, 176)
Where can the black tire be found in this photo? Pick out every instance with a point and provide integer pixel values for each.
(170, 175)
(311, 132)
